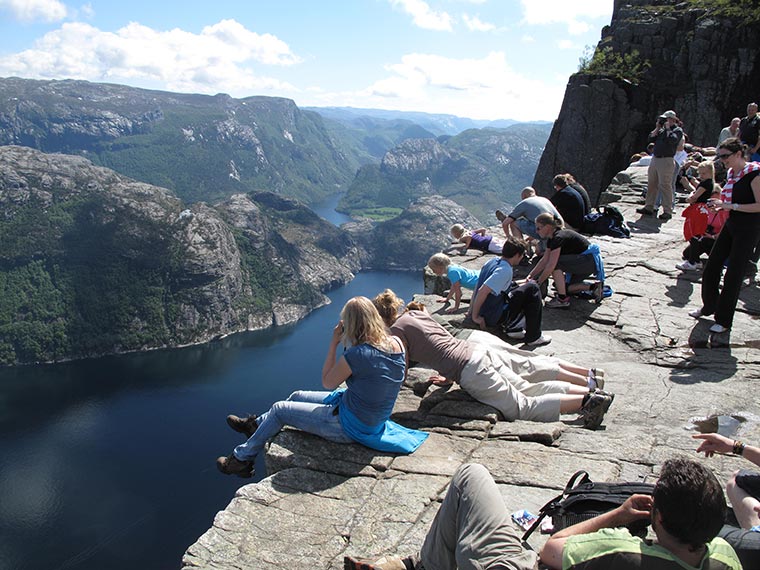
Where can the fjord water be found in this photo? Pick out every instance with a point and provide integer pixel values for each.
(109, 463)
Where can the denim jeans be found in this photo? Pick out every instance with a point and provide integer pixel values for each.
(303, 410)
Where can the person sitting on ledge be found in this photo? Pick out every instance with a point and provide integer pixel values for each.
(473, 531)
(440, 264)
(474, 239)
(522, 386)
(373, 368)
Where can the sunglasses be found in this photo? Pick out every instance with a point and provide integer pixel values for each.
(724, 155)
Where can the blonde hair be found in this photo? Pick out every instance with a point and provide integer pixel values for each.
(387, 305)
(414, 306)
(708, 165)
(362, 324)
(549, 219)
(457, 230)
(439, 260)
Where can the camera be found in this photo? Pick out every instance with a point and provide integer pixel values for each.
(660, 121)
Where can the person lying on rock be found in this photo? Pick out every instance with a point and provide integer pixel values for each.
(498, 302)
(522, 386)
(473, 531)
(373, 368)
(567, 253)
(743, 489)
(474, 239)
(440, 264)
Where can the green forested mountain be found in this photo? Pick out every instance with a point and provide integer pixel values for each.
(92, 262)
(201, 147)
(480, 169)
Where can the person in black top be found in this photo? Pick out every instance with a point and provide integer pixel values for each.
(749, 132)
(666, 135)
(738, 238)
(567, 251)
(569, 202)
(578, 187)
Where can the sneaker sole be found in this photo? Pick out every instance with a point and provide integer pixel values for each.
(605, 409)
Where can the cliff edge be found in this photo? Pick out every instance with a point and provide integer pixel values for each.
(323, 501)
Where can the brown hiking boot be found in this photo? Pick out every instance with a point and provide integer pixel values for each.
(597, 405)
(384, 563)
(245, 426)
(231, 465)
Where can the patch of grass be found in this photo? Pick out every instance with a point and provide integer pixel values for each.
(605, 61)
(380, 214)
(745, 10)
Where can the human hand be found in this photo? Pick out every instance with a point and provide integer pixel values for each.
(337, 334)
(439, 380)
(713, 443)
(635, 507)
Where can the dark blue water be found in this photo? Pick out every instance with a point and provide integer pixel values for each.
(109, 463)
(326, 210)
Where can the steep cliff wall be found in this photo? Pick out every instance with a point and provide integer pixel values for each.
(704, 65)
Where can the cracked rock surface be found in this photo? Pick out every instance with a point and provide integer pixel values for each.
(323, 500)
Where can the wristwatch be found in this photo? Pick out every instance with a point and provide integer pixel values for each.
(734, 206)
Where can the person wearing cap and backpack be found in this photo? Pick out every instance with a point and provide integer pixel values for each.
(666, 137)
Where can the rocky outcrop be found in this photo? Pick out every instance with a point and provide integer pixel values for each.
(408, 240)
(322, 501)
(703, 65)
(93, 263)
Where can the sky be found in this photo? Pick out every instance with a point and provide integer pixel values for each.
(481, 59)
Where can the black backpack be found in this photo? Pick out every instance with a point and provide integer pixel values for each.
(608, 221)
(584, 499)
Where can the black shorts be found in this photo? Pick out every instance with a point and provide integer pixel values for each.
(749, 481)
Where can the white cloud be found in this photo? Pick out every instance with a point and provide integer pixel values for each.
(217, 59)
(32, 10)
(570, 12)
(87, 11)
(526, 39)
(566, 44)
(478, 88)
(475, 24)
(424, 16)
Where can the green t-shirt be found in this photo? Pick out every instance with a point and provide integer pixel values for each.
(616, 549)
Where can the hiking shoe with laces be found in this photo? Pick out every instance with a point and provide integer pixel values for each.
(665, 216)
(645, 211)
(384, 563)
(593, 411)
(231, 465)
(501, 216)
(246, 426)
(558, 303)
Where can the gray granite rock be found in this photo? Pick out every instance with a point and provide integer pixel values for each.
(665, 368)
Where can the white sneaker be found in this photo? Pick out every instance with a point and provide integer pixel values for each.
(718, 329)
(540, 341)
(695, 313)
(686, 266)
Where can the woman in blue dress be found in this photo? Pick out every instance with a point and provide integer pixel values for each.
(373, 368)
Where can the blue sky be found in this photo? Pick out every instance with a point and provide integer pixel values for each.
(483, 59)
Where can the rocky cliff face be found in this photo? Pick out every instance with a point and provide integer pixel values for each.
(703, 65)
(202, 147)
(92, 262)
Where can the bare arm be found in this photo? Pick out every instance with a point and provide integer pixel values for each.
(695, 194)
(635, 507)
(753, 208)
(335, 373)
(480, 298)
(456, 293)
(713, 443)
(546, 265)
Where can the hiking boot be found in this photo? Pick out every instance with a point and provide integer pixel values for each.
(501, 216)
(558, 303)
(665, 216)
(246, 426)
(231, 465)
(597, 290)
(594, 409)
(384, 563)
(645, 211)
(544, 339)
(687, 266)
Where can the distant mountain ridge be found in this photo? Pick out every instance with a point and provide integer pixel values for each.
(436, 123)
(201, 147)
